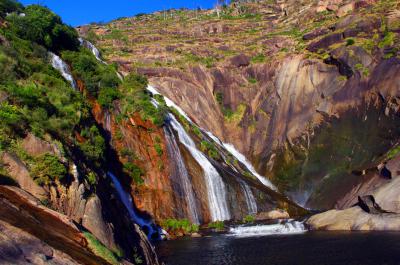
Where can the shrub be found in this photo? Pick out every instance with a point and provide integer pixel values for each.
(159, 149)
(47, 168)
(217, 225)
(99, 249)
(259, 58)
(248, 219)
(42, 26)
(183, 224)
(349, 42)
(9, 6)
(94, 146)
(107, 96)
(91, 178)
(134, 172)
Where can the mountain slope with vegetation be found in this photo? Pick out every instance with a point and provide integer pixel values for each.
(308, 90)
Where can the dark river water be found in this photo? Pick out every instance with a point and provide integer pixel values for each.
(319, 248)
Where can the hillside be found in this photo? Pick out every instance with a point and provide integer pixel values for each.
(307, 90)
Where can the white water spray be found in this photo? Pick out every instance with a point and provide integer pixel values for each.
(183, 175)
(281, 228)
(240, 157)
(63, 68)
(250, 200)
(215, 186)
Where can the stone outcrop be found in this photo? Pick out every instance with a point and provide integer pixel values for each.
(19, 247)
(377, 206)
(17, 170)
(23, 211)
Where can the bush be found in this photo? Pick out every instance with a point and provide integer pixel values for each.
(159, 149)
(42, 26)
(350, 42)
(217, 225)
(248, 219)
(9, 6)
(47, 168)
(94, 146)
(99, 249)
(134, 172)
(183, 224)
(107, 96)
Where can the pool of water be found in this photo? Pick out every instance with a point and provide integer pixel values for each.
(319, 248)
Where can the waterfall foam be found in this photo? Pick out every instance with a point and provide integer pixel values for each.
(180, 169)
(147, 225)
(215, 186)
(281, 228)
(63, 68)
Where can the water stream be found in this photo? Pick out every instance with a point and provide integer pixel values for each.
(63, 68)
(147, 226)
(182, 173)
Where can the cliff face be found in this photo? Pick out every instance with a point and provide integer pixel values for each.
(308, 92)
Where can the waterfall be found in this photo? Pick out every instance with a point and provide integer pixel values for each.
(63, 68)
(180, 169)
(229, 147)
(215, 186)
(92, 48)
(126, 199)
(240, 157)
(250, 200)
(281, 228)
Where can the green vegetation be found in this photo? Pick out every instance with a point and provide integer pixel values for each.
(42, 26)
(48, 168)
(393, 152)
(260, 58)
(236, 116)
(137, 99)
(135, 172)
(158, 149)
(101, 81)
(183, 224)
(248, 219)
(94, 146)
(210, 149)
(100, 250)
(217, 225)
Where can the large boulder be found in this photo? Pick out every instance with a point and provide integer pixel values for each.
(18, 171)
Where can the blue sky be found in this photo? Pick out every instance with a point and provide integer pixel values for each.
(79, 12)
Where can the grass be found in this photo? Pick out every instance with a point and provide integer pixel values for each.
(217, 225)
(180, 224)
(393, 152)
(99, 249)
(248, 219)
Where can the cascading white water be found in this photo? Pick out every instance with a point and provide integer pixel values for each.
(281, 228)
(229, 147)
(185, 182)
(215, 186)
(250, 200)
(240, 157)
(96, 53)
(63, 68)
(92, 48)
(126, 199)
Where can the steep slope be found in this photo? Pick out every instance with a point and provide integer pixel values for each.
(53, 181)
(307, 90)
